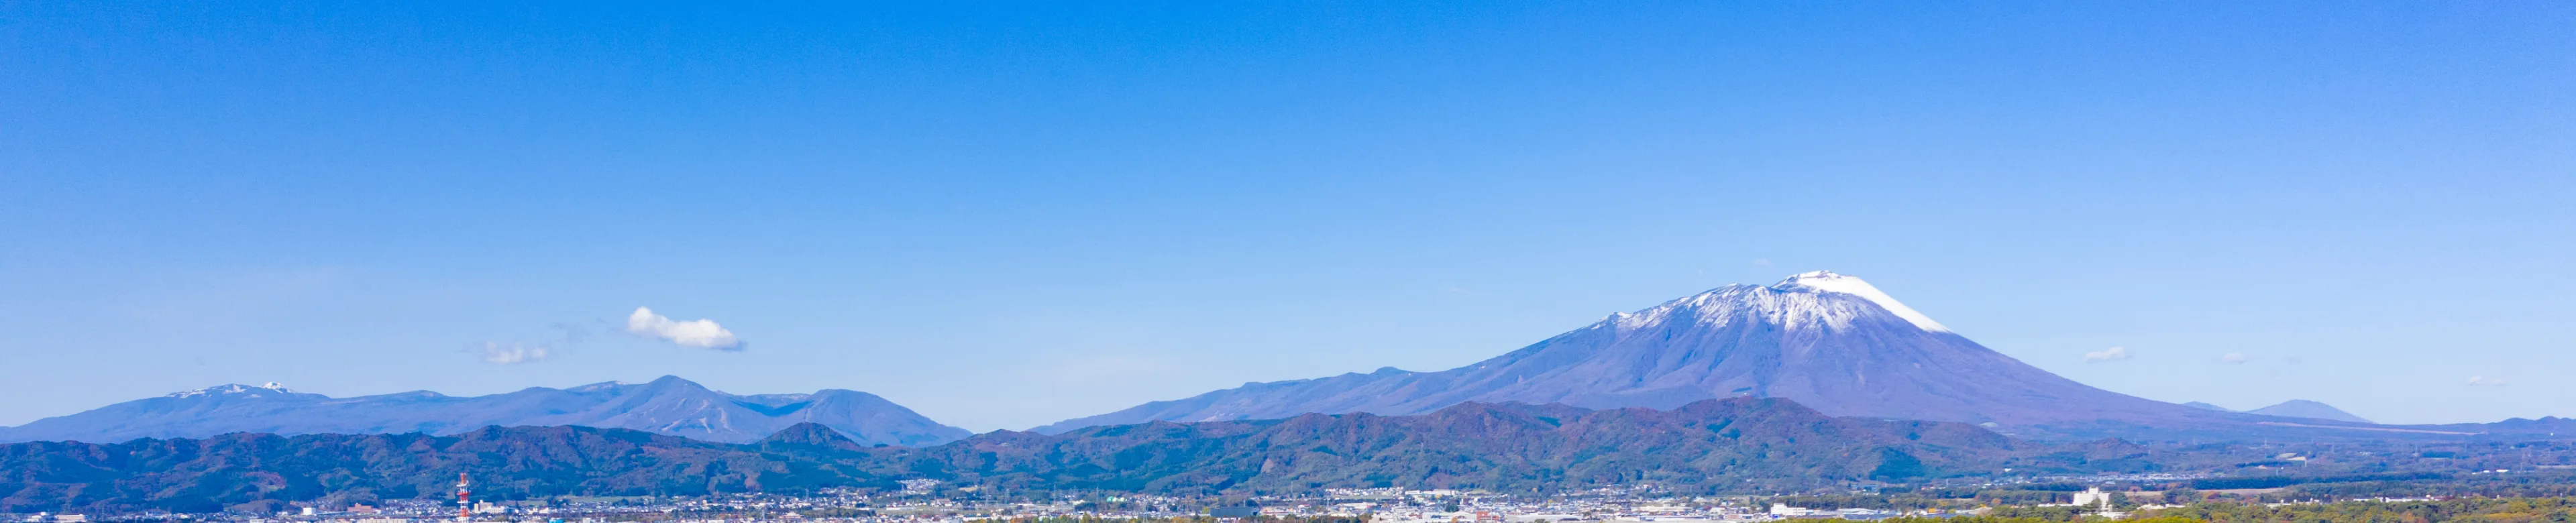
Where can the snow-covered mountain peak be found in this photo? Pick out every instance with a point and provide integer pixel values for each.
(1815, 299)
(1817, 275)
(1828, 281)
(596, 387)
(233, 389)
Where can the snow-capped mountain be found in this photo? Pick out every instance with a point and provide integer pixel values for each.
(669, 405)
(246, 390)
(1829, 341)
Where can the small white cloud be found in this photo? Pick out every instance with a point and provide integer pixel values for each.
(2482, 380)
(700, 333)
(513, 354)
(1763, 262)
(2234, 357)
(2110, 354)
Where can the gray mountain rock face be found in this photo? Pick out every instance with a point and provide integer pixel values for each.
(669, 405)
(1824, 340)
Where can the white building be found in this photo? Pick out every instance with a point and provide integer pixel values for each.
(2093, 496)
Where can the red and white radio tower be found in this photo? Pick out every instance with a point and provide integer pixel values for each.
(464, 511)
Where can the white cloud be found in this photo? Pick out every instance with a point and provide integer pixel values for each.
(2234, 357)
(700, 333)
(513, 354)
(2482, 380)
(2110, 354)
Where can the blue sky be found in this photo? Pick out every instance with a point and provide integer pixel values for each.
(1007, 215)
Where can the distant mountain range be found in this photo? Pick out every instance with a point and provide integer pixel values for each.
(1730, 445)
(1826, 340)
(669, 405)
(2294, 409)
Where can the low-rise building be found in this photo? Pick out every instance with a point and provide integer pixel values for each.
(2093, 497)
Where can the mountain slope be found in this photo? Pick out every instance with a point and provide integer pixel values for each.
(1724, 444)
(1825, 340)
(1732, 445)
(2308, 409)
(669, 405)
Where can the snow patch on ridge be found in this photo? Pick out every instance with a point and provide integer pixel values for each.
(230, 389)
(1827, 281)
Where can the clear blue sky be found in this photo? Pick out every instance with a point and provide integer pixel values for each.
(1006, 215)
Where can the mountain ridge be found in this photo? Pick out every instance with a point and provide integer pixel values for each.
(667, 405)
(2311, 410)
